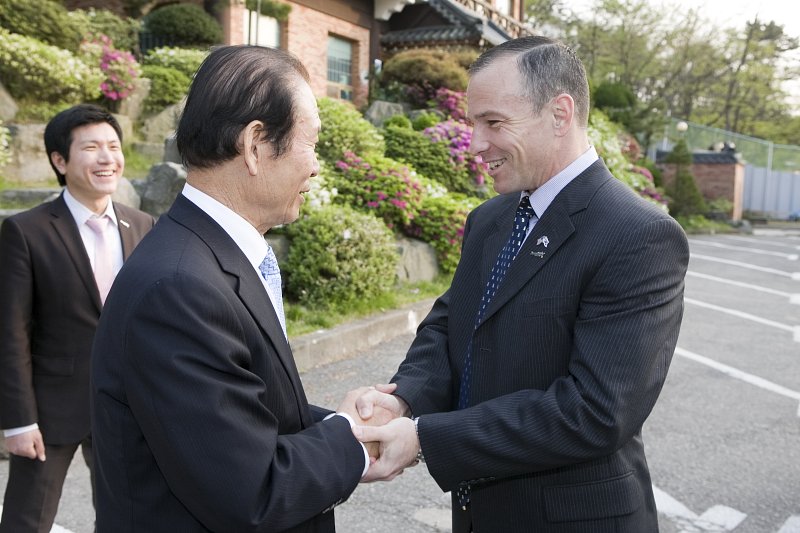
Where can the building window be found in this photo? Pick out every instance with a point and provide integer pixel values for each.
(261, 30)
(340, 68)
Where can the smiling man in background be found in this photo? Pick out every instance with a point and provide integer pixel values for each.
(57, 263)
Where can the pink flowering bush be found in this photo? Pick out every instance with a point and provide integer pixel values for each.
(452, 103)
(441, 224)
(379, 185)
(120, 68)
(457, 136)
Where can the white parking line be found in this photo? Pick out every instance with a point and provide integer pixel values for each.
(792, 525)
(759, 251)
(740, 375)
(718, 518)
(741, 314)
(781, 244)
(792, 275)
(740, 284)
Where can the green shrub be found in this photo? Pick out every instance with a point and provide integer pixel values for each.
(338, 255)
(271, 8)
(398, 121)
(685, 197)
(123, 32)
(36, 72)
(376, 184)
(441, 224)
(167, 87)
(184, 24)
(186, 60)
(44, 20)
(5, 145)
(425, 67)
(431, 159)
(344, 129)
(425, 119)
(604, 136)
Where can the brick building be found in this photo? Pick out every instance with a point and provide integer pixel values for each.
(340, 40)
(718, 174)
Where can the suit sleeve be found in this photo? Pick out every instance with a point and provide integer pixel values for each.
(624, 337)
(202, 411)
(17, 399)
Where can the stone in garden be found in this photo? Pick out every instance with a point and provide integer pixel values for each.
(164, 183)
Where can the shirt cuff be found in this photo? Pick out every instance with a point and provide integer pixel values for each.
(19, 431)
(352, 425)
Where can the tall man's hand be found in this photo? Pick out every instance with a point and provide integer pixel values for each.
(398, 448)
(378, 415)
(29, 444)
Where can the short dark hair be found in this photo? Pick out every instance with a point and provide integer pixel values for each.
(549, 67)
(234, 86)
(58, 132)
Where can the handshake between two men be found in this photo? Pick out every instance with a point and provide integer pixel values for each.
(383, 425)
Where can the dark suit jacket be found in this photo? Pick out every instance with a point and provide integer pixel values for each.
(200, 422)
(567, 363)
(49, 307)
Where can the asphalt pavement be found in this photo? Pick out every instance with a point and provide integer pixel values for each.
(723, 441)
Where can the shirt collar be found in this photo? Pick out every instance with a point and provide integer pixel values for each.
(244, 234)
(542, 197)
(81, 213)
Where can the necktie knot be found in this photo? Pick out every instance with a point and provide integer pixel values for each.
(99, 225)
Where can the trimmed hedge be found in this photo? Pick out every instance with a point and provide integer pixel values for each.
(167, 86)
(338, 255)
(343, 130)
(184, 24)
(43, 20)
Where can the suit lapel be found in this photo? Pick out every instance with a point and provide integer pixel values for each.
(64, 225)
(554, 228)
(125, 234)
(249, 289)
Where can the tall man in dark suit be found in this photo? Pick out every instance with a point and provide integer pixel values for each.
(531, 378)
(52, 285)
(200, 419)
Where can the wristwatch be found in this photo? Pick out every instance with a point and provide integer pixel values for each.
(420, 456)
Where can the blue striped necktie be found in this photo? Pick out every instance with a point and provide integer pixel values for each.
(521, 220)
(272, 274)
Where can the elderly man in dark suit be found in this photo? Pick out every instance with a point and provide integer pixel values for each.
(55, 272)
(531, 378)
(200, 419)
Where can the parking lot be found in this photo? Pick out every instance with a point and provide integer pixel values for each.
(723, 442)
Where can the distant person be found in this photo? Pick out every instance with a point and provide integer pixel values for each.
(57, 262)
(200, 420)
(531, 378)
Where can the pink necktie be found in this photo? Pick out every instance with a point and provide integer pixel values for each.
(103, 267)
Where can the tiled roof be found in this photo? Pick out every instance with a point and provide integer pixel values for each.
(466, 26)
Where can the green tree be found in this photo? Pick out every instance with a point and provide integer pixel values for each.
(685, 197)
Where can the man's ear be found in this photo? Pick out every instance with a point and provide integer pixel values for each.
(59, 162)
(249, 139)
(563, 107)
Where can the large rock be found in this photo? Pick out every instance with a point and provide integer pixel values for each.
(126, 194)
(29, 162)
(171, 150)
(133, 105)
(158, 127)
(164, 182)
(380, 110)
(417, 261)
(8, 107)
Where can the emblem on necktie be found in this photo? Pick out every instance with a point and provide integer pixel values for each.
(543, 240)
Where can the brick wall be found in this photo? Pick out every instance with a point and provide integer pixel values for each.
(714, 181)
(306, 35)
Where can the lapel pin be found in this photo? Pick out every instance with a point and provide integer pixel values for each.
(538, 254)
(124, 223)
(543, 240)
